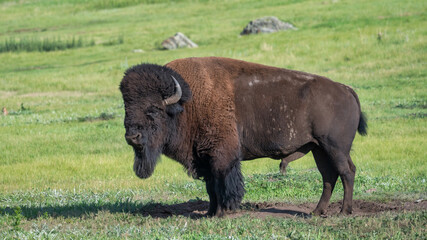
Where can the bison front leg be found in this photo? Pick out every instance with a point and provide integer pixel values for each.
(225, 189)
(213, 202)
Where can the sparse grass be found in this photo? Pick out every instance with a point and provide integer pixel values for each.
(51, 44)
(42, 45)
(66, 171)
(116, 214)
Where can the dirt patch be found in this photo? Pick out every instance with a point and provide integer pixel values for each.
(6, 94)
(198, 209)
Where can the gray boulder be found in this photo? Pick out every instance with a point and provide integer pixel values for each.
(179, 40)
(266, 25)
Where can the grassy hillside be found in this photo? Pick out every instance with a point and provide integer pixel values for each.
(64, 131)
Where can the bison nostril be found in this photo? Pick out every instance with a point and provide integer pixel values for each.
(134, 139)
(138, 137)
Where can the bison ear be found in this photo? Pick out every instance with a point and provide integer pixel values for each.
(174, 109)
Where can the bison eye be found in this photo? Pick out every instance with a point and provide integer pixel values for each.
(152, 113)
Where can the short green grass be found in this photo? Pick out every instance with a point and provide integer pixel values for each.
(66, 171)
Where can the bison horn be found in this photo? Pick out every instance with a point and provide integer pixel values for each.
(174, 98)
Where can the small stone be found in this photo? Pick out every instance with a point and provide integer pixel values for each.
(137, 51)
(266, 25)
(179, 40)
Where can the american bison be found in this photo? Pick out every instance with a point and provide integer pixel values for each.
(211, 113)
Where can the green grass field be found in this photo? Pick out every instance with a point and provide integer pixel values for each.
(66, 170)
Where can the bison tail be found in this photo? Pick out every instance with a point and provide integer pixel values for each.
(363, 125)
(362, 128)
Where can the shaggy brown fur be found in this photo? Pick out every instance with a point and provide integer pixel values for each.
(240, 111)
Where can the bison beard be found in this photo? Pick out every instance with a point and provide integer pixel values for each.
(145, 161)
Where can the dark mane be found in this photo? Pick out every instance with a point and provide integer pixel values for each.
(155, 77)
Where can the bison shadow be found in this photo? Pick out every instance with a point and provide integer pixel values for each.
(193, 209)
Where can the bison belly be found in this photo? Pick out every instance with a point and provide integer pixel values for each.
(272, 121)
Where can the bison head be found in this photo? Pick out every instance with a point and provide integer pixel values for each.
(153, 96)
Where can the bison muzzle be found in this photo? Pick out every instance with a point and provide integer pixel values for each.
(211, 113)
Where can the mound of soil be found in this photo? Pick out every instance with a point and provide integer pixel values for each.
(198, 209)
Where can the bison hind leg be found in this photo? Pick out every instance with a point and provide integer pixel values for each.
(333, 162)
(301, 152)
(329, 176)
(283, 165)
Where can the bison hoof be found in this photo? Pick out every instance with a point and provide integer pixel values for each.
(217, 213)
(320, 213)
(209, 215)
(346, 211)
(283, 171)
(282, 168)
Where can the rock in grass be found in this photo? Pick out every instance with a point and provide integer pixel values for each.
(138, 51)
(266, 25)
(179, 40)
